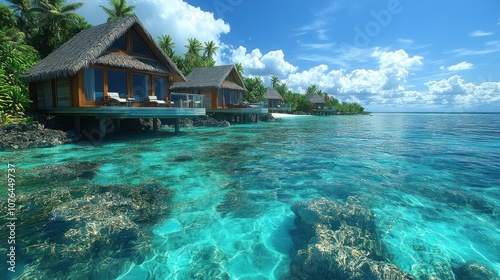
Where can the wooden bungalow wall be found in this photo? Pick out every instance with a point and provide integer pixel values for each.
(52, 94)
(63, 92)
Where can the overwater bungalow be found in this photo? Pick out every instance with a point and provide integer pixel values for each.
(320, 105)
(276, 101)
(111, 71)
(222, 89)
(317, 100)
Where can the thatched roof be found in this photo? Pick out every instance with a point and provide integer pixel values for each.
(132, 62)
(272, 94)
(211, 77)
(316, 98)
(89, 47)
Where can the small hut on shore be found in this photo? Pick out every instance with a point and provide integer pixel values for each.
(273, 97)
(317, 100)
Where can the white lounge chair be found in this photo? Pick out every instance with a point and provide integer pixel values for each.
(114, 97)
(154, 101)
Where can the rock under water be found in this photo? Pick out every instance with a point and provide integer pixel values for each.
(33, 135)
(90, 231)
(342, 243)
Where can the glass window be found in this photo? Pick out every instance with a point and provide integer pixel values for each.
(234, 98)
(161, 88)
(138, 46)
(141, 87)
(120, 43)
(227, 98)
(220, 98)
(240, 97)
(93, 84)
(117, 82)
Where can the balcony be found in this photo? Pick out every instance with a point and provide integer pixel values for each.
(281, 108)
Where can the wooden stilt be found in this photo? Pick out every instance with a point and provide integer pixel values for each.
(118, 125)
(78, 127)
(177, 126)
(155, 124)
(102, 128)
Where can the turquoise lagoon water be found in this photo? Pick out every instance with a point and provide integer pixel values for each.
(432, 181)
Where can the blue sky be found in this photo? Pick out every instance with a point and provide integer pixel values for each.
(387, 55)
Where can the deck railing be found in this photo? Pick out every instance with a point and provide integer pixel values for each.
(185, 100)
(258, 105)
(283, 106)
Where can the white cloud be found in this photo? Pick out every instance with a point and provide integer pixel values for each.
(342, 55)
(180, 20)
(464, 65)
(480, 33)
(405, 41)
(399, 59)
(457, 92)
(384, 89)
(492, 43)
(257, 64)
(390, 76)
(467, 52)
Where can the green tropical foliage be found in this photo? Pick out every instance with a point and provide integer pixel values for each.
(210, 51)
(47, 24)
(56, 23)
(274, 81)
(119, 9)
(333, 103)
(15, 59)
(197, 55)
(256, 89)
(167, 44)
(240, 69)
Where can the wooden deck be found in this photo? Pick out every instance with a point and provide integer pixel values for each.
(129, 112)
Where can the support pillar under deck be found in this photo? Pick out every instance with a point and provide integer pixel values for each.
(102, 128)
(155, 124)
(118, 124)
(78, 127)
(177, 126)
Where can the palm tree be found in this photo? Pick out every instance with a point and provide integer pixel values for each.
(312, 89)
(22, 10)
(274, 81)
(54, 18)
(239, 69)
(194, 48)
(20, 7)
(119, 9)
(210, 50)
(167, 45)
(192, 58)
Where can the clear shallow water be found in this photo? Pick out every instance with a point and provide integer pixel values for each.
(431, 180)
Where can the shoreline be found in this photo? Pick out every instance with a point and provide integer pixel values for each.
(281, 115)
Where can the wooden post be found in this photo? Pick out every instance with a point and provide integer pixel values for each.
(102, 128)
(78, 127)
(155, 124)
(118, 125)
(177, 126)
